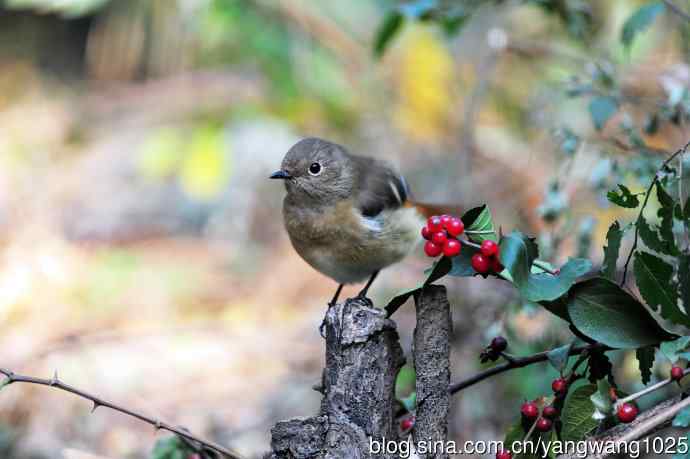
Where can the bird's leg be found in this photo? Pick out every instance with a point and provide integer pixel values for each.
(337, 294)
(363, 293)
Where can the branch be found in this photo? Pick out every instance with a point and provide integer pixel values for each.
(518, 362)
(644, 204)
(676, 9)
(12, 378)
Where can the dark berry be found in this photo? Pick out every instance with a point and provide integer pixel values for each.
(480, 263)
(498, 344)
(455, 227)
(489, 248)
(407, 423)
(439, 238)
(451, 248)
(627, 412)
(677, 373)
(434, 224)
(445, 219)
(529, 410)
(495, 265)
(559, 386)
(504, 454)
(432, 249)
(544, 425)
(549, 412)
(426, 234)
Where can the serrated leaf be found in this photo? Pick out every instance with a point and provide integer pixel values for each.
(439, 269)
(672, 349)
(623, 199)
(604, 312)
(660, 292)
(548, 287)
(682, 419)
(577, 414)
(611, 251)
(390, 26)
(558, 357)
(517, 252)
(601, 109)
(479, 224)
(665, 213)
(640, 21)
(645, 358)
(651, 238)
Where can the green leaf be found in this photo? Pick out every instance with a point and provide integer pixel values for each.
(390, 26)
(684, 279)
(577, 414)
(660, 292)
(671, 349)
(640, 21)
(601, 398)
(611, 251)
(604, 312)
(558, 357)
(645, 357)
(479, 219)
(682, 419)
(405, 382)
(439, 269)
(462, 263)
(651, 238)
(601, 109)
(665, 213)
(547, 287)
(624, 199)
(557, 307)
(517, 252)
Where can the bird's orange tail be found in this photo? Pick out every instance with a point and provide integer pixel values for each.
(435, 209)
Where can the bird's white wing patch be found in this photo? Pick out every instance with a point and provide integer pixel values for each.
(374, 224)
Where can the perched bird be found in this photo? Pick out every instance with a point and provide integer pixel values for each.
(347, 216)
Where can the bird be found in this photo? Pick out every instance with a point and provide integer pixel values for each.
(348, 216)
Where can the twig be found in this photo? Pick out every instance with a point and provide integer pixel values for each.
(519, 362)
(676, 9)
(12, 378)
(644, 204)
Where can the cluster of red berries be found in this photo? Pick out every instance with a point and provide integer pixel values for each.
(494, 350)
(627, 412)
(486, 260)
(441, 234)
(530, 413)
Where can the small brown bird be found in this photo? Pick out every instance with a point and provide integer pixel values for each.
(347, 216)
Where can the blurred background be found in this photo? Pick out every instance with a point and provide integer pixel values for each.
(142, 253)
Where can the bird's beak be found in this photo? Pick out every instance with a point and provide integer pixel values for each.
(283, 175)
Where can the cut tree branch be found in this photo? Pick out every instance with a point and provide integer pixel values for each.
(519, 362)
(55, 383)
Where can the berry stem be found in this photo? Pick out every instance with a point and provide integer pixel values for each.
(479, 232)
(647, 390)
(531, 430)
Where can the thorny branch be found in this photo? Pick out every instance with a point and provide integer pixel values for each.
(518, 362)
(54, 382)
(654, 182)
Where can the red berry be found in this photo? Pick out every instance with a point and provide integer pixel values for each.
(489, 248)
(445, 219)
(549, 412)
(677, 373)
(407, 423)
(504, 454)
(495, 265)
(480, 263)
(451, 248)
(426, 234)
(529, 410)
(434, 224)
(544, 425)
(439, 238)
(498, 344)
(432, 250)
(455, 227)
(559, 386)
(627, 412)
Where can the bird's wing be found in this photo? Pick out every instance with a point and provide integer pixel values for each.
(379, 186)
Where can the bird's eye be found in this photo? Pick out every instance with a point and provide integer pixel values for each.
(315, 169)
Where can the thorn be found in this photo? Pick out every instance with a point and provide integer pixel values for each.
(158, 425)
(55, 381)
(95, 406)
